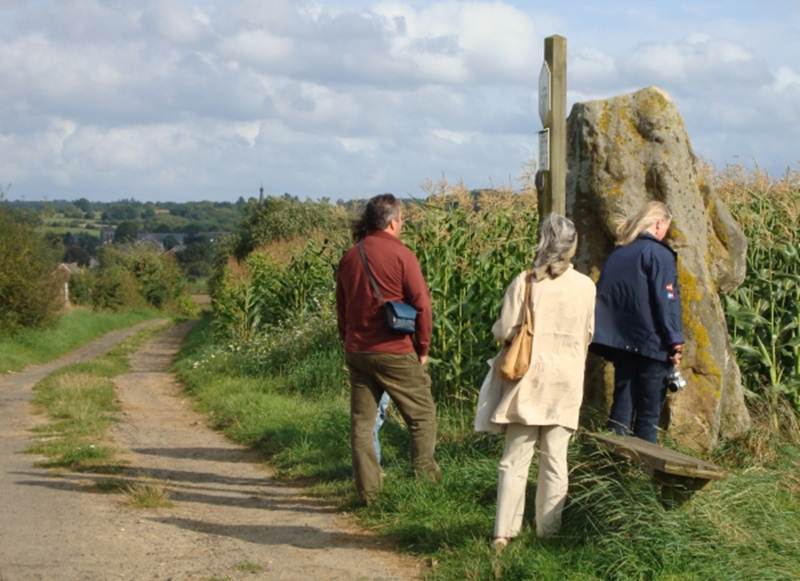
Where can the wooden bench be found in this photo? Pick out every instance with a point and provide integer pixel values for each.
(680, 475)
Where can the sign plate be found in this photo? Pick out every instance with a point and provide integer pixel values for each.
(545, 103)
(544, 149)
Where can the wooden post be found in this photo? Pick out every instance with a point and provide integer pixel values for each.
(552, 181)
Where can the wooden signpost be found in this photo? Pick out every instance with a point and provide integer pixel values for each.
(551, 179)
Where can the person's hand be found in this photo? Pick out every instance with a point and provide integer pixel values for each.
(423, 359)
(676, 354)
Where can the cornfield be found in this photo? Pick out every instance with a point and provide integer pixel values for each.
(471, 245)
(763, 315)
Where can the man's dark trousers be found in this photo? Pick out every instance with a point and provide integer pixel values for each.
(409, 386)
(639, 392)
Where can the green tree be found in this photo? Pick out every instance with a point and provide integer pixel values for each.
(28, 287)
(84, 204)
(78, 255)
(126, 232)
(169, 242)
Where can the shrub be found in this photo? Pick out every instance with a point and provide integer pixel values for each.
(286, 218)
(29, 290)
(158, 278)
(115, 288)
(80, 287)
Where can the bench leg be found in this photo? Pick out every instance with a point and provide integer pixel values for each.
(677, 490)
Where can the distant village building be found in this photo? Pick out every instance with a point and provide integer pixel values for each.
(107, 235)
(158, 238)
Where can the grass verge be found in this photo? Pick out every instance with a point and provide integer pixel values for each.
(70, 331)
(80, 401)
(295, 410)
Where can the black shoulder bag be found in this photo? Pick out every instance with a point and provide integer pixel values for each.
(400, 317)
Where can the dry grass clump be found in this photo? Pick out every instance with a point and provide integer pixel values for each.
(148, 494)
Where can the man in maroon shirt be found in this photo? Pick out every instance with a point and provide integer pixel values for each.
(379, 359)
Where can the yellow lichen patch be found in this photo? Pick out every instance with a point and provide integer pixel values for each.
(690, 290)
(695, 332)
(605, 119)
(615, 191)
(677, 236)
(706, 388)
(628, 121)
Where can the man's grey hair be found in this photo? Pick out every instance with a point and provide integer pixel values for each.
(558, 240)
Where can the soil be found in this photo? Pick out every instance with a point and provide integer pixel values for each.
(228, 518)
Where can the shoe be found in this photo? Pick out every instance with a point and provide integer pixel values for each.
(500, 544)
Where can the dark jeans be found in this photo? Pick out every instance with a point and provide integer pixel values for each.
(639, 393)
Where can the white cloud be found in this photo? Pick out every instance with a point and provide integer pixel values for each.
(457, 137)
(698, 58)
(178, 21)
(258, 47)
(201, 98)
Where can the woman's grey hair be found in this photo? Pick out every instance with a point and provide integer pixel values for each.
(558, 240)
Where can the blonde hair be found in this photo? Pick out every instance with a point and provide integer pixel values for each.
(558, 240)
(652, 212)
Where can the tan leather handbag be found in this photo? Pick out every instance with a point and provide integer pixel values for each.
(517, 357)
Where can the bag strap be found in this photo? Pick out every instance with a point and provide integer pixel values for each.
(375, 290)
(528, 319)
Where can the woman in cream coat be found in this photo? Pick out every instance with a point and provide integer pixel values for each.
(544, 405)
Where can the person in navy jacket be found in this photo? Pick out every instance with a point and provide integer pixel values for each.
(638, 320)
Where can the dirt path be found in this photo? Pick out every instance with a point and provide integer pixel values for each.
(34, 520)
(229, 519)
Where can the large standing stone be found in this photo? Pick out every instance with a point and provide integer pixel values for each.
(621, 153)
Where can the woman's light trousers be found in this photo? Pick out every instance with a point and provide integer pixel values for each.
(551, 489)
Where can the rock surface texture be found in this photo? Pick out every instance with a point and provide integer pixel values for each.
(621, 153)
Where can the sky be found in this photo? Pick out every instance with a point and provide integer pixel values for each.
(178, 100)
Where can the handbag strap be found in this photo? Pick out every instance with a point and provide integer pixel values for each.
(375, 290)
(528, 319)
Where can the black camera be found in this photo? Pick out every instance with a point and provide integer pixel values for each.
(674, 380)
